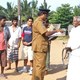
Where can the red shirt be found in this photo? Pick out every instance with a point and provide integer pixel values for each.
(22, 35)
(2, 41)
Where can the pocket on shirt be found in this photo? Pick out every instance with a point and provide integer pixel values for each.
(44, 47)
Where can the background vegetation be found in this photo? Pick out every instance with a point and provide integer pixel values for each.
(62, 15)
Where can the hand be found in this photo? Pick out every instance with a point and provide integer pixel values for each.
(8, 46)
(18, 46)
(68, 49)
(30, 43)
(59, 30)
(25, 43)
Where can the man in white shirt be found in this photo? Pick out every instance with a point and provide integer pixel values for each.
(14, 43)
(74, 44)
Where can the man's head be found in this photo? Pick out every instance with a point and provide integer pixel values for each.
(43, 13)
(76, 21)
(2, 21)
(15, 21)
(29, 21)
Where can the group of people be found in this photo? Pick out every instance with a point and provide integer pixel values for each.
(9, 44)
(36, 46)
(10, 41)
(34, 37)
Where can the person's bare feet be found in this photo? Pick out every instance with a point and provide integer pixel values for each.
(8, 68)
(3, 76)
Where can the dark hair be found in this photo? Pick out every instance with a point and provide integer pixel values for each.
(2, 17)
(29, 17)
(14, 18)
(42, 12)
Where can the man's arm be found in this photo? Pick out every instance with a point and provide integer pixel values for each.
(48, 33)
(19, 42)
(43, 30)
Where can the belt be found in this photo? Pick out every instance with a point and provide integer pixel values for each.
(28, 45)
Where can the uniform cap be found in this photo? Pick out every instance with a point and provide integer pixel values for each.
(44, 10)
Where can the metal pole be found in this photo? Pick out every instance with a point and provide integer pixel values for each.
(19, 13)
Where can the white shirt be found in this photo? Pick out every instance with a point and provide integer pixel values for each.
(74, 38)
(24, 25)
(15, 35)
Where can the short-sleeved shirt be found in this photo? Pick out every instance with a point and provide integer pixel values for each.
(4, 37)
(39, 42)
(2, 41)
(27, 34)
(15, 35)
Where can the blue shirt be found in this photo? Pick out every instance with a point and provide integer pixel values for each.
(27, 31)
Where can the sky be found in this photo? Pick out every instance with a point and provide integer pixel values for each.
(53, 3)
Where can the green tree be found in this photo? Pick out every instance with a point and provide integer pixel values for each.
(2, 10)
(34, 8)
(11, 11)
(25, 9)
(29, 9)
(51, 17)
(76, 11)
(44, 5)
(62, 15)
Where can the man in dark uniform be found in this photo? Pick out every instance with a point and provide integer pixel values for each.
(40, 44)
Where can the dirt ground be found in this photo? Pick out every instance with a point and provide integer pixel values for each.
(58, 72)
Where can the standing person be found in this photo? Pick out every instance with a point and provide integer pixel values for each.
(49, 28)
(4, 37)
(40, 45)
(14, 43)
(27, 54)
(74, 44)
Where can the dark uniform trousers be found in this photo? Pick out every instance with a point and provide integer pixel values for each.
(39, 66)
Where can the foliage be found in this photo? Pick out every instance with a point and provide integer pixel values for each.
(76, 11)
(11, 11)
(25, 9)
(44, 5)
(2, 10)
(28, 9)
(34, 8)
(63, 15)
